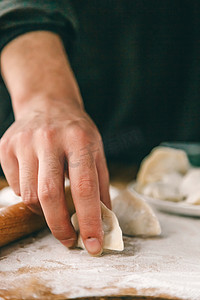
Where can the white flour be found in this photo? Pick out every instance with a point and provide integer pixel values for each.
(167, 265)
(8, 197)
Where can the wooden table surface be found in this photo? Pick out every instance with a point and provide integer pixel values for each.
(166, 267)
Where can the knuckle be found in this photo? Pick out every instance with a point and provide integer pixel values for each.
(82, 135)
(24, 137)
(90, 227)
(90, 223)
(76, 131)
(3, 143)
(5, 148)
(29, 197)
(53, 166)
(82, 131)
(98, 139)
(62, 232)
(49, 191)
(26, 171)
(86, 188)
(46, 133)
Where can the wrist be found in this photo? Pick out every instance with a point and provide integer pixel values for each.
(36, 71)
(45, 104)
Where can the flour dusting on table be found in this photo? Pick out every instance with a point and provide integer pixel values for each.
(169, 265)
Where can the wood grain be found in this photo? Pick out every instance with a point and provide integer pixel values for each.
(17, 221)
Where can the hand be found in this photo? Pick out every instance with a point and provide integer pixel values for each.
(51, 137)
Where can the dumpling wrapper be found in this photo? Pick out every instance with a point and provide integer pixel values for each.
(159, 162)
(173, 179)
(112, 232)
(135, 216)
(162, 191)
(168, 188)
(191, 182)
(193, 198)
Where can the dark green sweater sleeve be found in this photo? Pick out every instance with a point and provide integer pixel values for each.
(18, 17)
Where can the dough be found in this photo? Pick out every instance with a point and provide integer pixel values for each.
(112, 232)
(173, 179)
(190, 186)
(162, 191)
(193, 198)
(134, 215)
(168, 188)
(159, 162)
(191, 182)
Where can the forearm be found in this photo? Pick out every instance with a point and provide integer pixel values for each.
(34, 67)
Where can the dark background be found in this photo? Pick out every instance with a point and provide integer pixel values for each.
(137, 64)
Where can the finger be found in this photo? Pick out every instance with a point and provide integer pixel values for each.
(28, 175)
(103, 176)
(10, 167)
(85, 192)
(52, 200)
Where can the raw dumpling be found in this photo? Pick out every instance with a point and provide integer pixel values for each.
(191, 182)
(168, 188)
(134, 215)
(193, 198)
(112, 232)
(173, 179)
(160, 161)
(162, 191)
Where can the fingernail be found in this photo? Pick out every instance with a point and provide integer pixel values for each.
(93, 246)
(70, 243)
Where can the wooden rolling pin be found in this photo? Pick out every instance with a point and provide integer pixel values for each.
(17, 221)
